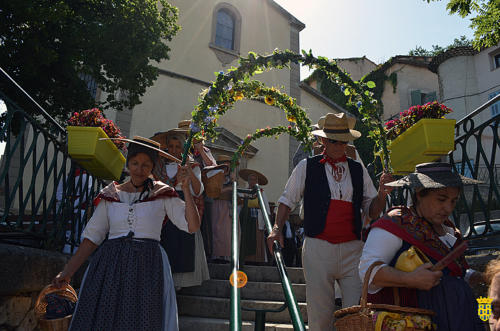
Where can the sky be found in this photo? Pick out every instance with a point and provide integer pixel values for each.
(378, 29)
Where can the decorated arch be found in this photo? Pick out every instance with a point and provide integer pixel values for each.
(237, 84)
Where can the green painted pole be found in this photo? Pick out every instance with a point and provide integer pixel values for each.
(235, 319)
(293, 309)
(187, 146)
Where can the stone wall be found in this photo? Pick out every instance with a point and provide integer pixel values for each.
(24, 272)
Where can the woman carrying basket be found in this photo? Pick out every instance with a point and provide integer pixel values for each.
(128, 284)
(424, 228)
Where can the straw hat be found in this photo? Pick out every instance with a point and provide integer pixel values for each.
(433, 175)
(221, 158)
(182, 128)
(261, 179)
(337, 127)
(142, 142)
(206, 169)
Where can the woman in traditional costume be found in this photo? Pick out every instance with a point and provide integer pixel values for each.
(221, 214)
(185, 251)
(424, 227)
(253, 241)
(128, 284)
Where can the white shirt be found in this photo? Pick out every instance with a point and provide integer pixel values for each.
(294, 189)
(147, 218)
(381, 245)
(172, 168)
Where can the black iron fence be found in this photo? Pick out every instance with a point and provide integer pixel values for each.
(476, 154)
(477, 143)
(45, 198)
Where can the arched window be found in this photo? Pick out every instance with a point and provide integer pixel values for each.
(224, 32)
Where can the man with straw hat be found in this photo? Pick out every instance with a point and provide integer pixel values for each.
(337, 192)
(253, 246)
(412, 243)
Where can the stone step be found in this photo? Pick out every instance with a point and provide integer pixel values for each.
(252, 290)
(219, 308)
(187, 323)
(257, 273)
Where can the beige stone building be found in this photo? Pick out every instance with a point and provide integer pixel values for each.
(408, 80)
(357, 67)
(214, 34)
(409, 83)
(467, 80)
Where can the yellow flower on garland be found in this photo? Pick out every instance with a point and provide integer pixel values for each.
(269, 100)
(290, 101)
(291, 118)
(239, 96)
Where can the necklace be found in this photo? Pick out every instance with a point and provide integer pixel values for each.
(136, 186)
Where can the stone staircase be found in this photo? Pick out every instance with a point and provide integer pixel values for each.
(207, 307)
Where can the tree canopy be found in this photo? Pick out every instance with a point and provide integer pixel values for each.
(56, 50)
(436, 49)
(485, 23)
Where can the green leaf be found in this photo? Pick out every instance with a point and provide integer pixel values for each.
(347, 92)
(370, 84)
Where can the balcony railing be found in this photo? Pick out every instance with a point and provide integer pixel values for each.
(45, 198)
(476, 154)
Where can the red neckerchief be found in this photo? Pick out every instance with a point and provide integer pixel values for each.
(332, 162)
(337, 171)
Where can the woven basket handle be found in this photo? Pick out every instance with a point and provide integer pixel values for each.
(364, 291)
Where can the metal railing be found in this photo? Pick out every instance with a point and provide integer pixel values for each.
(45, 198)
(476, 145)
(260, 314)
(235, 319)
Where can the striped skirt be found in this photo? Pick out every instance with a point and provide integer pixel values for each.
(127, 286)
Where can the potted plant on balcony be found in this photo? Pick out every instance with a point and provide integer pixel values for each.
(102, 158)
(420, 134)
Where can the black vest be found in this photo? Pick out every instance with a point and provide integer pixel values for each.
(317, 196)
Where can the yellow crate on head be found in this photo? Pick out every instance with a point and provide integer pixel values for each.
(426, 141)
(100, 157)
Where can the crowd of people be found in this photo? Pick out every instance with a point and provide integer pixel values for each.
(158, 228)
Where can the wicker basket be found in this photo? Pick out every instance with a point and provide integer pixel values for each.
(58, 324)
(213, 185)
(360, 318)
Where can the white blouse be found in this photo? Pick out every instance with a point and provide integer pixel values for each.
(339, 190)
(381, 245)
(145, 219)
(172, 168)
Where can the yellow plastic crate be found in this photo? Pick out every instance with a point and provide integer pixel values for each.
(100, 157)
(426, 141)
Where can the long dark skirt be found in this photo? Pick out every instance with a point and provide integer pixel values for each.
(454, 304)
(179, 245)
(125, 288)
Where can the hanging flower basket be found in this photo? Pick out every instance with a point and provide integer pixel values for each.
(425, 141)
(100, 157)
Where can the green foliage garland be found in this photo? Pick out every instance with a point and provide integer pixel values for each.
(237, 84)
